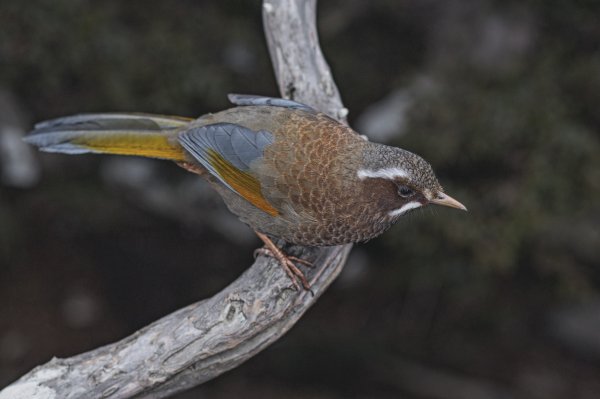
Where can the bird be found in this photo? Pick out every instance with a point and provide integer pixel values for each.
(287, 170)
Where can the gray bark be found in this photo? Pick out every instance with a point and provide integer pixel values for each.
(205, 339)
(300, 67)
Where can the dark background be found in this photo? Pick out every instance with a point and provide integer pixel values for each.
(501, 97)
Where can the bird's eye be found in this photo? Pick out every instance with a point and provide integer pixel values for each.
(405, 191)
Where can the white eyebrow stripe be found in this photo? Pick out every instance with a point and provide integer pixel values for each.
(386, 173)
(405, 208)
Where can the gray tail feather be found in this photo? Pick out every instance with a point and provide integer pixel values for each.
(61, 134)
(120, 120)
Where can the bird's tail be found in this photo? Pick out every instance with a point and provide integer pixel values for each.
(145, 135)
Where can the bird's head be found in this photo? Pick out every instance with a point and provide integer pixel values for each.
(402, 180)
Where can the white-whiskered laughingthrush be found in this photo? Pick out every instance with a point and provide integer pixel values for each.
(285, 169)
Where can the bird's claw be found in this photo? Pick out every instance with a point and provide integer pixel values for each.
(287, 262)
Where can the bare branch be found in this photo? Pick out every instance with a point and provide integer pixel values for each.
(300, 67)
(205, 339)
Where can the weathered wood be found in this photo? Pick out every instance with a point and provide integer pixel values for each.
(300, 68)
(205, 339)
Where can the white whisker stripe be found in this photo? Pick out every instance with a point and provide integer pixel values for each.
(386, 173)
(405, 208)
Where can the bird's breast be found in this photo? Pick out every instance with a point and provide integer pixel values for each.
(308, 174)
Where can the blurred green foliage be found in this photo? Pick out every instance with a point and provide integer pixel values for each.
(81, 55)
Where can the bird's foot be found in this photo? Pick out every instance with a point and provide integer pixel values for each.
(267, 252)
(286, 261)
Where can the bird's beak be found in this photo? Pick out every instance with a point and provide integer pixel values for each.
(446, 200)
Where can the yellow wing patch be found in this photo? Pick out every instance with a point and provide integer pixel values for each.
(146, 145)
(243, 183)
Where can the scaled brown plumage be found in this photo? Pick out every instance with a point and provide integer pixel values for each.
(283, 168)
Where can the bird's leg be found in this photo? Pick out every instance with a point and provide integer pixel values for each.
(270, 249)
(295, 274)
(267, 252)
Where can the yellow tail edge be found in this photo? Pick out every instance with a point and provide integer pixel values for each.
(150, 145)
(144, 135)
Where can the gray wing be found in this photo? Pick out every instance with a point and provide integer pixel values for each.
(236, 144)
(246, 99)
